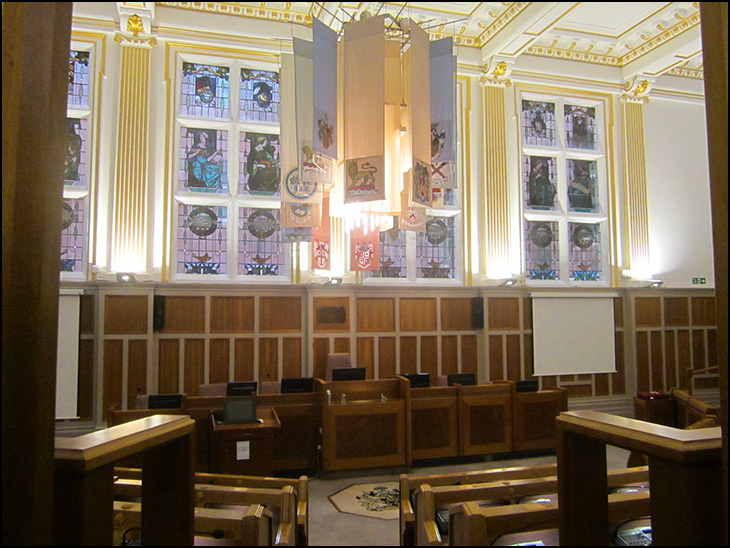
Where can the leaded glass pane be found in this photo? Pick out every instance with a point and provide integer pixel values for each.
(585, 252)
(261, 252)
(78, 79)
(259, 96)
(259, 163)
(74, 162)
(205, 91)
(392, 254)
(202, 239)
(539, 174)
(580, 127)
(72, 236)
(542, 258)
(583, 185)
(435, 249)
(203, 160)
(538, 123)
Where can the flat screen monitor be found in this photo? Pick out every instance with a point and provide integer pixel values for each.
(419, 380)
(527, 386)
(348, 374)
(239, 409)
(241, 388)
(464, 379)
(297, 386)
(164, 401)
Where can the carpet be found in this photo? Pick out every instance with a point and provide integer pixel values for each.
(372, 500)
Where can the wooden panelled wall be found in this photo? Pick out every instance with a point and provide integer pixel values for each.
(268, 335)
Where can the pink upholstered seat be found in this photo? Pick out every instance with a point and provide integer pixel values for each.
(337, 360)
(216, 389)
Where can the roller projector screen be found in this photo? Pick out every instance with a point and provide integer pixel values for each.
(573, 334)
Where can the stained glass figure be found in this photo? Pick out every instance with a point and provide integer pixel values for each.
(72, 235)
(436, 249)
(202, 239)
(203, 164)
(580, 127)
(260, 170)
(539, 172)
(538, 123)
(78, 79)
(542, 259)
(205, 91)
(74, 161)
(585, 252)
(392, 254)
(259, 96)
(583, 185)
(260, 249)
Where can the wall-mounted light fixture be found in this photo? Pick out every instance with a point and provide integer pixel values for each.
(126, 277)
(655, 283)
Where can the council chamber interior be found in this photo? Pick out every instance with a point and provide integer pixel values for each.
(230, 254)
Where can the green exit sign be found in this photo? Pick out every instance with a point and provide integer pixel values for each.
(699, 281)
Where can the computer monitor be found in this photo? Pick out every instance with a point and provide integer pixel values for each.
(241, 388)
(527, 386)
(239, 409)
(164, 401)
(348, 374)
(419, 380)
(297, 385)
(464, 379)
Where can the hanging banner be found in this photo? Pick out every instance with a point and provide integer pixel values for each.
(417, 62)
(324, 130)
(294, 235)
(421, 184)
(289, 157)
(364, 114)
(321, 239)
(443, 105)
(364, 249)
(295, 215)
(412, 217)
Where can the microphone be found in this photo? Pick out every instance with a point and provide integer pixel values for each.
(273, 386)
(215, 533)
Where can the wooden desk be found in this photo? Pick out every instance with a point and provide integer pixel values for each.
(435, 422)
(245, 449)
(485, 418)
(533, 415)
(685, 471)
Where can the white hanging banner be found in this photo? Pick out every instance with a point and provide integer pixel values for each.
(418, 97)
(443, 105)
(324, 129)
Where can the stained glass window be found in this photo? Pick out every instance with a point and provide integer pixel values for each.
(259, 163)
(538, 123)
(260, 248)
(542, 257)
(203, 160)
(259, 96)
(202, 239)
(392, 254)
(580, 127)
(74, 162)
(205, 91)
(585, 252)
(78, 79)
(435, 249)
(582, 185)
(72, 236)
(539, 175)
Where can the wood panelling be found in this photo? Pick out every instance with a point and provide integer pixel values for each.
(184, 315)
(579, 390)
(618, 312)
(703, 311)
(86, 379)
(366, 355)
(88, 315)
(136, 370)
(386, 357)
(292, 358)
(456, 314)
(670, 358)
(243, 356)
(232, 314)
(648, 311)
(326, 322)
(503, 313)
(699, 354)
(321, 347)
(514, 369)
(527, 314)
(126, 314)
(342, 344)
(219, 356)
(527, 349)
(684, 356)
(601, 385)
(375, 315)
(280, 314)
(642, 362)
(268, 359)
(408, 355)
(676, 311)
(496, 358)
(618, 380)
(418, 314)
(168, 378)
(657, 361)
(449, 355)
(430, 356)
(469, 354)
(113, 363)
(194, 374)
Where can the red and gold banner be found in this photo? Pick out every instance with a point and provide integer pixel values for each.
(321, 239)
(364, 249)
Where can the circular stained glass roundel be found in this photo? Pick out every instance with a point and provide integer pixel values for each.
(583, 236)
(202, 221)
(541, 235)
(68, 216)
(261, 224)
(436, 231)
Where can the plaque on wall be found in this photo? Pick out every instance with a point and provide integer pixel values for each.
(332, 314)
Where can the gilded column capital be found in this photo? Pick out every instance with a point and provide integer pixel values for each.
(135, 24)
(124, 39)
(637, 89)
(497, 71)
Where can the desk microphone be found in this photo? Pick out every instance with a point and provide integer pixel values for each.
(268, 378)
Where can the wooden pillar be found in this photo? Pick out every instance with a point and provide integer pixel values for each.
(36, 44)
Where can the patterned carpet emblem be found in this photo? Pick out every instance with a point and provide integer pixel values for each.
(372, 500)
